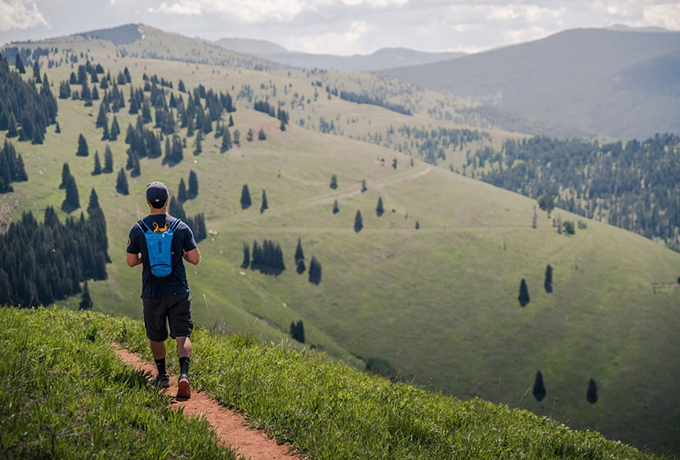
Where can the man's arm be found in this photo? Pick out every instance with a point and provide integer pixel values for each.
(193, 256)
(134, 259)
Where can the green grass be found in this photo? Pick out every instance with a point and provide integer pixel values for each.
(440, 304)
(65, 394)
(325, 409)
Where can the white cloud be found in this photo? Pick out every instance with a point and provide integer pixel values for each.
(665, 15)
(181, 7)
(524, 35)
(528, 13)
(334, 43)
(20, 14)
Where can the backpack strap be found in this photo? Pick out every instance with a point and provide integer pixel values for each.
(142, 226)
(175, 224)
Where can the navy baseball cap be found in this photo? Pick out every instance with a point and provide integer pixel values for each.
(157, 194)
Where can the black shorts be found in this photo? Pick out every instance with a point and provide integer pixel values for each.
(176, 309)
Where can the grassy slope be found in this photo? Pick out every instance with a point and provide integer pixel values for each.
(326, 410)
(438, 303)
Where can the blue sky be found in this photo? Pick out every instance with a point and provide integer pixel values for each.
(338, 26)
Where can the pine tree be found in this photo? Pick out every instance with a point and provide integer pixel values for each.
(358, 222)
(182, 192)
(379, 210)
(82, 147)
(334, 181)
(591, 394)
(282, 126)
(72, 200)
(534, 220)
(13, 129)
(417, 225)
(121, 183)
(36, 71)
(97, 165)
(264, 206)
(65, 176)
(539, 388)
(523, 293)
(19, 64)
(315, 271)
(237, 138)
(548, 279)
(115, 129)
(108, 160)
(297, 331)
(245, 197)
(85, 299)
(198, 146)
(246, 256)
(226, 141)
(249, 136)
(363, 185)
(261, 136)
(336, 208)
(299, 253)
(231, 121)
(192, 191)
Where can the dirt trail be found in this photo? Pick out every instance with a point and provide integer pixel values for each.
(229, 426)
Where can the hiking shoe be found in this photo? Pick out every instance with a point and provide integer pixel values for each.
(161, 381)
(184, 390)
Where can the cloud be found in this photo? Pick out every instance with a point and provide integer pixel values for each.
(666, 15)
(527, 13)
(333, 42)
(182, 7)
(524, 35)
(20, 14)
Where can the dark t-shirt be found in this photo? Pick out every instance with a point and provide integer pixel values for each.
(182, 240)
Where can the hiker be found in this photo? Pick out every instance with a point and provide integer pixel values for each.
(165, 290)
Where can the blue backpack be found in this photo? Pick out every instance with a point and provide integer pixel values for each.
(159, 246)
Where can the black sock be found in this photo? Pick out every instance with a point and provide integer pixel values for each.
(184, 365)
(160, 364)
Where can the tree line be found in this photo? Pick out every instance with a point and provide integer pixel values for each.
(44, 262)
(632, 185)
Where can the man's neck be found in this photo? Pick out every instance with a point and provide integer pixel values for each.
(154, 212)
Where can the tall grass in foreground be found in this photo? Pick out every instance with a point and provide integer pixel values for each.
(326, 409)
(65, 394)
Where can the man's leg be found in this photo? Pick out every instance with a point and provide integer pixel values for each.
(184, 353)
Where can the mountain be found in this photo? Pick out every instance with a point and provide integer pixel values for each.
(602, 81)
(384, 58)
(429, 288)
(251, 46)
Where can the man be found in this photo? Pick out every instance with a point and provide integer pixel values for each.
(168, 297)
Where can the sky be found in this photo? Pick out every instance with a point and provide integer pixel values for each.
(341, 27)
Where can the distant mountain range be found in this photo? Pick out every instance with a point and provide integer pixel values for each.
(621, 83)
(384, 58)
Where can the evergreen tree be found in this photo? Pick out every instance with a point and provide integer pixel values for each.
(102, 118)
(336, 208)
(363, 186)
(539, 388)
(115, 129)
(297, 331)
(523, 293)
(534, 220)
(65, 176)
(19, 64)
(192, 192)
(36, 71)
(548, 279)
(358, 222)
(121, 183)
(299, 253)
(282, 126)
(231, 121)
(245, 197)
(379, 210)
(82, 147)
(108, 160)
(237, 138)
(591, 394)
(315, 271)
(198, 146)
(72, 200)
(182, 192)
(246, 256)
(417, 225)
(334, 181)
(264, 206)
(249, 135)
(226, 141)
(85, 299)
(57, 129)
(97, 165)
(261, 136)
(12, 128)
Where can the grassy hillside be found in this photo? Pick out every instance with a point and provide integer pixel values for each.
(580, 78)
(439, 303)
(325, 409)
